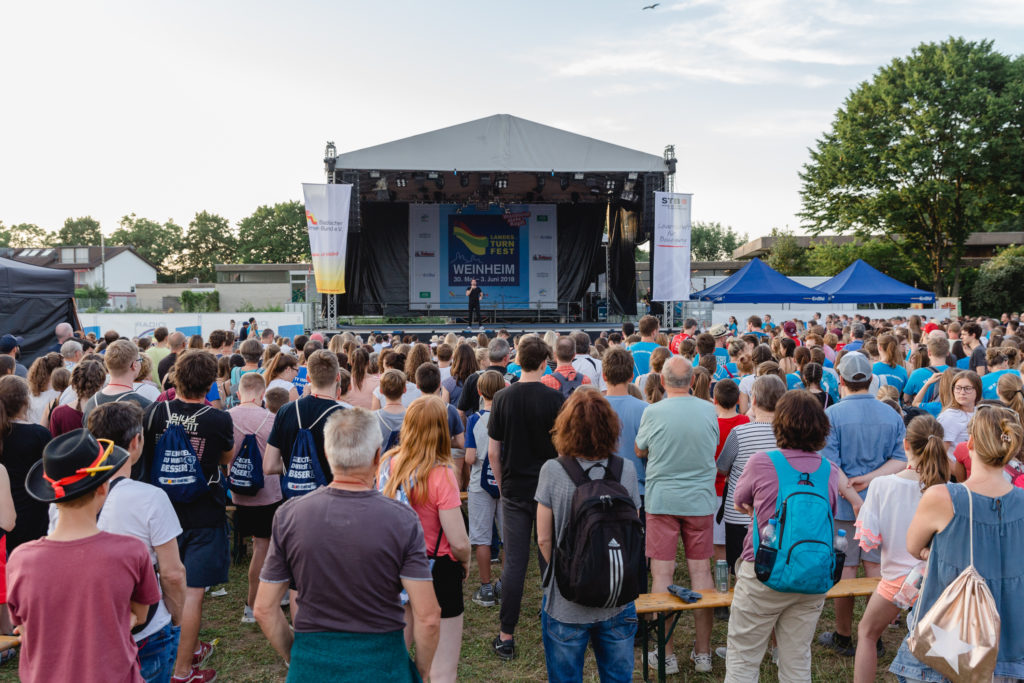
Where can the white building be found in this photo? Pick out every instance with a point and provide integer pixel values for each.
(119, 269)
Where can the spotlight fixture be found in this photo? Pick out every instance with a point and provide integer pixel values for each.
(563, 183)
(501, 182)
(484, 180)
(375, 174)
(432, 175)
(609, 184)
(464, 180)
(401, 181)
(577, 176)
(632, 175)
(439, 181)
(540, 183)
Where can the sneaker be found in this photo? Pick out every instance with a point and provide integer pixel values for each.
(197, 675)
(671, 663)
(505, 649)
(497, 590)
(484, 595)
(219, 593)
(247, 616)
(836, 642)
(205, 651)
(286, 600)
(775, 656)
(701, 662)
(721, 652)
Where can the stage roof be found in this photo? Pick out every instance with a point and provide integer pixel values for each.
(501, 143)
(862, 284)
(758, 283)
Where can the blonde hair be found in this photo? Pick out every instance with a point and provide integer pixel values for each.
(925, 438)
(701, 387)
(997, 434)
(972, 377)
(653, 391)
(1011, 392)
(424, 443)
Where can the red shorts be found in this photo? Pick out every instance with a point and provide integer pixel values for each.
(663, 536)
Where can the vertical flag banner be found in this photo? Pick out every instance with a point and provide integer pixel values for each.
(671, 276)
(327, 209)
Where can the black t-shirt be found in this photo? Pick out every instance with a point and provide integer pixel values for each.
(474, 295)
(164, 365)
(211, 433)
(23, 447)
(469, 399)
(286, 427)
(99, 398)
(521, 418)
(978, 359)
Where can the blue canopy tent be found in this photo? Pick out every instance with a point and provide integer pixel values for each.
(862, 284)
(757, 283)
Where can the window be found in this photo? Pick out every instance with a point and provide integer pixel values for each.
(67, 255)
(81, 254)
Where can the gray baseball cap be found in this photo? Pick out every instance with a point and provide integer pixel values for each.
(855, 367)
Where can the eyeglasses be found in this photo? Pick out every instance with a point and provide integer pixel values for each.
(960, 389)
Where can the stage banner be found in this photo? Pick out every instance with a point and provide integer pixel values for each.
(327, 209)
(671, 276)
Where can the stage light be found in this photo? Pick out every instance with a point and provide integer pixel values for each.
(632, 175)
(609, 184)
(401, 181)
(628, 196)
(439, 182)
(464, 180)
(432, 175)
(484, 180)
(375, 174)
(540, 183)
(501, 182)
(563, 183)
(577, 176)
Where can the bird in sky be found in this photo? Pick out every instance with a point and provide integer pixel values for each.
(652, 6)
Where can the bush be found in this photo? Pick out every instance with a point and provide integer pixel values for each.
(199, 302)
(998, 287)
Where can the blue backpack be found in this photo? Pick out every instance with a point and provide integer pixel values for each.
(393, 436)
(246, 473)
(804, 559)
(304, 472)
(176, 469)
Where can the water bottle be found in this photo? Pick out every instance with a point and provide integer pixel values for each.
(839, 545)
(908, 592)
(841, 542)
(764, 558)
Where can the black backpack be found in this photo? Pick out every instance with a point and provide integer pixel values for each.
(567, 386)
(599, 560)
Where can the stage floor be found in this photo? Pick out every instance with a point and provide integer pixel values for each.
(425, 332)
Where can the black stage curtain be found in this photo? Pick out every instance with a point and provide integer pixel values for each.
(35, 318)
(623, 231)
(580, 228)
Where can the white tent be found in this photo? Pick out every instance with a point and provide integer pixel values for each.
(501, 143)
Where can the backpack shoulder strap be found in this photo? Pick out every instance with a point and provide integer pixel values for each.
(323, 414)
(613, 471)
(573, 469)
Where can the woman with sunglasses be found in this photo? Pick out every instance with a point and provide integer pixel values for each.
(959, 408)
(941, 533)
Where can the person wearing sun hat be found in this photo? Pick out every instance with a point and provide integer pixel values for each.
(76, 594)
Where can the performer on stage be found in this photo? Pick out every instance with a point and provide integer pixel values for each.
(474, 293)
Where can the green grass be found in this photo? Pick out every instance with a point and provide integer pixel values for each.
(244, 655)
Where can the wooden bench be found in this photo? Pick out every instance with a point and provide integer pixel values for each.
(665, 607)
(8, 643)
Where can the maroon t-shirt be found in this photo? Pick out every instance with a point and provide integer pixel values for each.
(73, 600)
(64, 419)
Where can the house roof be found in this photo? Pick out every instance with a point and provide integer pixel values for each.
(501, 143)
(50, 256)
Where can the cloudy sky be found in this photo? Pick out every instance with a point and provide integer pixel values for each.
(168, 108)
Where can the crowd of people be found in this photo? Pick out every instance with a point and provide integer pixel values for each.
(371, 473)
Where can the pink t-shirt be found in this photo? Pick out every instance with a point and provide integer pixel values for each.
(250, 419)
(73, 600)
(363, 397)
(442, 494)
(759, 486)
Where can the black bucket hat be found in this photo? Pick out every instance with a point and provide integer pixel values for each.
(73, 464)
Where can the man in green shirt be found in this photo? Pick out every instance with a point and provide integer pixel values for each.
(158, 350)
(678, 436)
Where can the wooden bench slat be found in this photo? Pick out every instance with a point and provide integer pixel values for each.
(649, 603)
(8, 642)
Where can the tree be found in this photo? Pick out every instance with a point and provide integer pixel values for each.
(787, 256)
(25, 235)
(274, 234)
(157, 243)
(930, 150)
(83, 231)
(997, 289)
(829, 258)
(210, 240)
(713, 241)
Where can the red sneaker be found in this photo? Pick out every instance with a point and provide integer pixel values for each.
(197, 676)
(205, 651)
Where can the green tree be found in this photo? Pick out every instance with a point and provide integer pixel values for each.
(930, 149)
(84, 231)
(713, 241)
(24, 235)
(158, 243)
(997, 289)
(274, 234)
(209, 241)
(787, 256)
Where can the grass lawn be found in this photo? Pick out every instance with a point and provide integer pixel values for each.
(244, 655)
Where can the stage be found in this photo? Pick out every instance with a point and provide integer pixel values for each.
(425, 332)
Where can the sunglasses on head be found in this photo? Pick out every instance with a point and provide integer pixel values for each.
(992, 406)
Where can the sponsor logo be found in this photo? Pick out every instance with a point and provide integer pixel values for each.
(542, 275)
(424, 218)
(542, 218)
(543, 237)
(425, 254)
(476, 244)
(517, 220)
(310, 218)
(424, 295)
(541, 257)
(425, 236)
(666, 201)
(543, 292)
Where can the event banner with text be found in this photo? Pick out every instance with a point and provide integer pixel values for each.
(511, 253)
(327, 220)
(671, 277)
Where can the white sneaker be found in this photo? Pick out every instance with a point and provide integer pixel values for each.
(775, 656)
(671, 663)
(701, 662)
(247, 616)
(219, 593)
(721, 651)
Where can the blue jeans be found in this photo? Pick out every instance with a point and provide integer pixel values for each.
(157, 653)
(566, 644)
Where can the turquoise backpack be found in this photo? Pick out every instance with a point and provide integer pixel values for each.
(804, 559)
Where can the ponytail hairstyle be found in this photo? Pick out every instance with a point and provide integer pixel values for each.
(701, 387)
(360, 360)
(995, 356)
(744, 365)
(736, 348)
(1011, 392)
(997, 435)
(13, 402)
(278, 364)
(916, 361)
(889, 351)
(802, 356)
(1012, 354)
(653, 391)
(925, 438)
(811, 375)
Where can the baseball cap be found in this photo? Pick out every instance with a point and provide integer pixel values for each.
(9, 341)
(855, 367)
(790, 327)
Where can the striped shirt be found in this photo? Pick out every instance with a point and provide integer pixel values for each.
(743, 441)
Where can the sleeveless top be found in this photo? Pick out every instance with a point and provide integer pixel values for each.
(998, 542)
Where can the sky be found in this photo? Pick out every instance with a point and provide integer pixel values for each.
(164, 109)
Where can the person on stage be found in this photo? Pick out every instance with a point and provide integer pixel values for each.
(474, 293)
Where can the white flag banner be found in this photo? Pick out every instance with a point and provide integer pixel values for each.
(327, 219)
(671, 276)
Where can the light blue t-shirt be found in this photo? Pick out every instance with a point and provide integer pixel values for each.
(630, 411)
(919, 377)
(990, 382)
(897, 375)
(642, 357)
